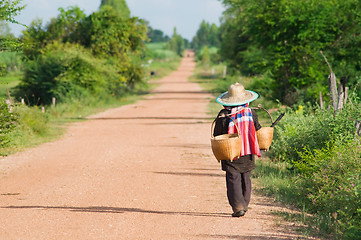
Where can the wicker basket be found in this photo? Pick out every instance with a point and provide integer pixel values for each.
(226, 146)
(265, 134)
(265, 137)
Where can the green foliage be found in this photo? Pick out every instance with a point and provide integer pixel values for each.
(156, 35)
(176, 43)
(208, 55)
(322, 147)
(32, 120)
(207, 35)
(120, 6)
(158, 51)
(67, 69)
(205, 59)
(8, 122)
(300, 131)
(63, 29)
(333, 187)
(11, 61)
(109, 35)
(284, 39)
(76, 55)
(9, 9)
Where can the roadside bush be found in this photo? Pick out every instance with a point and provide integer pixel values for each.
(8, 122)
(301, 130)
(67, 70)
(321, 146)
(333, 188)
(77, 55)
(208, 55)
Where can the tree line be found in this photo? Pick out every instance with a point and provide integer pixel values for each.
(281, 43)
(77, 56)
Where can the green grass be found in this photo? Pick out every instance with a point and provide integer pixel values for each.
(159, 53)
(160, 60)
(9, 81)
(156, 45)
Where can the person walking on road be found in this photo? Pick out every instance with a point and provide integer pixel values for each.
(238, 172)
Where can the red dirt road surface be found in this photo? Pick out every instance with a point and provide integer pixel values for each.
(142, 171)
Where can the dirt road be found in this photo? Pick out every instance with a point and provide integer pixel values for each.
(142, 171)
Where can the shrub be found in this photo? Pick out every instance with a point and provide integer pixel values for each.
(67, 70)
(8, 122)
(322, 147)
(333, 188)
(301, 130)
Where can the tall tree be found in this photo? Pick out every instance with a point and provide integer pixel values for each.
(177, 43)
(119, 6)
(284, 37)
(207, 35)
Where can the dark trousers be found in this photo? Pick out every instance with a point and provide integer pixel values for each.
(238, 190)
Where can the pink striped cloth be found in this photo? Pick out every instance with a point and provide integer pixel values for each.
(243, 117)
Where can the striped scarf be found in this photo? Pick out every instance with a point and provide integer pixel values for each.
(243, 117)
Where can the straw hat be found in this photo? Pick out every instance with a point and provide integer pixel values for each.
(236, 96)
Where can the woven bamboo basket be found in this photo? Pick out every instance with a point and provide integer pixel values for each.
(226, 146)
(265, 137)
(265, 134)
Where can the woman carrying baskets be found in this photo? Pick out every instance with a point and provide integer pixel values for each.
(237, 116)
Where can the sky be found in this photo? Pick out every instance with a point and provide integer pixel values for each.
(185, 15)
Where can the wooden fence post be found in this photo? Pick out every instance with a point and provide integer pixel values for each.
(333, 90)
(224, 71)
(346, 95)
(8, 102)
(358, 127)
(321, 100)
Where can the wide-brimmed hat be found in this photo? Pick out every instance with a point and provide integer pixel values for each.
(236, 95)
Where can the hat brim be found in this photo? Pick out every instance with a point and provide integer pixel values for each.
(223, 101)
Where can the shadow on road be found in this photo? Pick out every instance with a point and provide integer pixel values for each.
(177, 92)
(248, 237)
(96, 209)
(192, 174)
(148, 118)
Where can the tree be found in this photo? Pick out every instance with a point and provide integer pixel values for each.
(213, 35)
(63, 28)
(76, 55)
(207, 35)
(283, 39)
(119, 6)
(176, 43)
(156, 35)
(10, 9)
